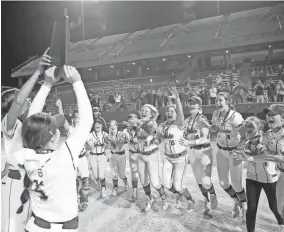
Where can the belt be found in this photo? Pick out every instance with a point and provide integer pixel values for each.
(175, 156)
(97, 153)
(68, 225)
(201, 146)
(149, 152)
(226, 148)
(14, 174)
(118, 153)
(134, 152)
(82, 155)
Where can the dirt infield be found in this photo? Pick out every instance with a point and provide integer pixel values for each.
(118, 214)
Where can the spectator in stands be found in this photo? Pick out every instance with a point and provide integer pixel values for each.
(117, 100)
(270, 87)
(253, 79)
(204, 93)
(160, 98)
(209, 80)
(219, 88)
(250, 96)
(259, 91)
(149, 97)
(111, 101)
(134, 100)
(280, 91)
(139, 97)
(219, 80)
(154, 98)
(95, 101)
(262, 76)
(239, 93)
(213, 94)
(143, 98)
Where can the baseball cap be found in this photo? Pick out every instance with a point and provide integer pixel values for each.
(194, 101)
(275, 109)
(132, 116)
(44, 133)
(96, 109)
(171, 105)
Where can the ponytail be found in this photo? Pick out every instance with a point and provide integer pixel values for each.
(25, 196)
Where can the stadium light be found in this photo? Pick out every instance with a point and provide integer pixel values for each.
(151, 80)
(148, 69)
(133, 63)
(164, 59)
(227, 51)
(127, 70)
(90, 69)
(112, 66)
(269, 46)
(188, 56)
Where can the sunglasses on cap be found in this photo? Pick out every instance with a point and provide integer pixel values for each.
(193, 101)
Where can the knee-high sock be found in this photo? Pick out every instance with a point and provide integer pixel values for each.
(134, 183)
(103, 183)
(162, 193)
(147, 190)
(115, 183)
(204, 192)
(242, 196)
(85, 188)
(232, 193)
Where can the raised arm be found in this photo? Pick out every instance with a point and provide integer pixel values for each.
(25, 91)
(180, 115)
(39, 100)
(79, 135)
(60, 111)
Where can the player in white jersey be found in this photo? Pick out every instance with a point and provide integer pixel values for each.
(52, 168)
(260, 175)
(14, 106)
(97, 156)
(117, 140)
(227, 123)
(176, 158)
(149, 159)
(134, 152)
(197, 138)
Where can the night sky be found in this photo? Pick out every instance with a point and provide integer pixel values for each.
(27, 26)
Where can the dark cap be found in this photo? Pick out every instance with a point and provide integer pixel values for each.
(275, 109)
(195, 101)
(98, 120)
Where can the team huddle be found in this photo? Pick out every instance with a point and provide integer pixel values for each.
(40, 184)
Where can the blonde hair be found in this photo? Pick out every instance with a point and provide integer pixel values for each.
(258, 123)
(154, 111)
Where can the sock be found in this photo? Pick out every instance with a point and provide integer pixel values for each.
(115, 183)
(134, 183)
(242, 196)
(147, 190)
(204, 192)
(232, 193)
(103, 183)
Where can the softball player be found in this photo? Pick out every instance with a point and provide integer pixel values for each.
(14, 105)
(227, 123)
(149, 160)
(133, 152)
(197, 138)
(260, 175)
(97, 156)
(52, 174)
(117, 140)
(174, 167)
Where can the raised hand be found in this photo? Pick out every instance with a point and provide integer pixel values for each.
(45, 60)
(174, 92)
(71, 74)
(59, 103)
(50, 79)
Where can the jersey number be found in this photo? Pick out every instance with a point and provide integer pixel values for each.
(37, 185)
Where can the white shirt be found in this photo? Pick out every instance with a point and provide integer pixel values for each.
(144, 139)
(10, 142)
(99, 141)
(172, 133)
(120, 136)
(55, 173)
(133, 141)
(228, 135)
(213, 92)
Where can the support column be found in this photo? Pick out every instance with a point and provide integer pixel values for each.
(139, 70)
(96, 75)
(270, 52)
(20, 82)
